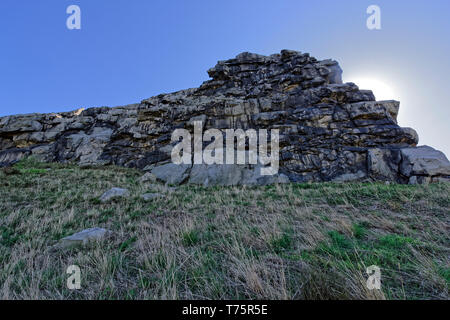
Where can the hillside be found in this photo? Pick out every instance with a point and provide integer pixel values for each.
(292, 241)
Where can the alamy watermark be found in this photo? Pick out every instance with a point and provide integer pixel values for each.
(374, 280)
(74, 20)
(74, 280)
(374, 20)
(216, 153)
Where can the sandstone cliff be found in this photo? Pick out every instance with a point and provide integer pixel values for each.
(329, 131)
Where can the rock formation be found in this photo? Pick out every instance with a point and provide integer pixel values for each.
(329, 131)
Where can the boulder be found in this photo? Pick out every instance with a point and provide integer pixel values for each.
(350, 177)
(424, 161)
(114, 193)
(232, 174)
(11, 156)
(419, 180)
(148, 177)
(382, 164)
(84, 237)
(151, 196)
(171, 173)
(212, 175)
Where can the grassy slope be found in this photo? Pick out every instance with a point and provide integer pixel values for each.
(297, 241)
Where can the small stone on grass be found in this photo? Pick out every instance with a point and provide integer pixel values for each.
(114, 193)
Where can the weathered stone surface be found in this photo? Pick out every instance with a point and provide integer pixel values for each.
(13, 155)
(424, 161)
(172, 173)
(229, 174)
(419, 180)
(382, 164)
(84, 237)
(329, 130)
(114, 193)
(151, 196)
(349, 177)
(440, 179)
(148, 177)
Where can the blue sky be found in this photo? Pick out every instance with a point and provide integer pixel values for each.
(130, 50)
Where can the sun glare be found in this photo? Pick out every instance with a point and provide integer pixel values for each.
(381, 90)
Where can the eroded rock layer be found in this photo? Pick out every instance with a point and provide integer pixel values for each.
(329, 131)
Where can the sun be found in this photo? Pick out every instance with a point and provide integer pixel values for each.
(381, 90)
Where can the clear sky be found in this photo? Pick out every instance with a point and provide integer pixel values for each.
(129, 50)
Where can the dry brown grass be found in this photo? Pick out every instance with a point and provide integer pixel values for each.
(310, 241)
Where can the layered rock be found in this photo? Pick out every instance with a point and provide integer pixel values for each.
(329, 131)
